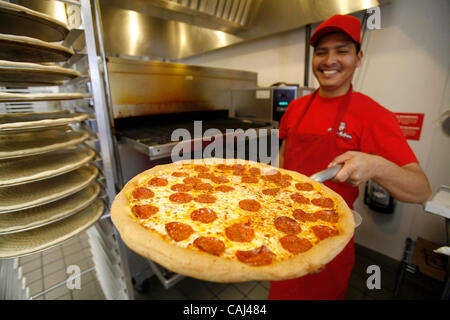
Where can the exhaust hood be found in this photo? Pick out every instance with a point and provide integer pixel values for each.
(171, 30)
(176, 29)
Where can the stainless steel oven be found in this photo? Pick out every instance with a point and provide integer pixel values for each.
(150, 100)
(264, 103)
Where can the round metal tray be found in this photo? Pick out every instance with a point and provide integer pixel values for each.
(40, 167)
(25, 49)
(39, 216)
(35, 240)
(38, 193)
(19, 20)
(19, 145)
(25, 74)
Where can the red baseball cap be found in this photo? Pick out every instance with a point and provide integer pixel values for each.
(347, 24)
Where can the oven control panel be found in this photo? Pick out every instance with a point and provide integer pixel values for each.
(281, 98)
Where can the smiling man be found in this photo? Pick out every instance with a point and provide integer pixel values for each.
(336, 125)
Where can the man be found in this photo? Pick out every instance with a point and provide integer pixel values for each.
(336, 125)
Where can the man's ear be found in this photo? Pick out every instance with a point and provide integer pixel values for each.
(359, 58)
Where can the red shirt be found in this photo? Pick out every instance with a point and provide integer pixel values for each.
(369, 127)
(365, 126)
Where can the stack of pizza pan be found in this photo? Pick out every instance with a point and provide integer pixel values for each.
(48, 173)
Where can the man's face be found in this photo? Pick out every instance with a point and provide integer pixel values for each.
(335, 60)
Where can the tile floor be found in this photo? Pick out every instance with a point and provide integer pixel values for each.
(414, 286)
(48, 269)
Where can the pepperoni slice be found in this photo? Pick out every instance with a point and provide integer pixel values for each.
(249, 205)
(192, 180)
(282, 183)
(143, 193)
(205, 198)
(223, 167)
(200, 168)
(224, 188)
(297, 197)
(180, 197)
(323, 202)
(271, 192)
(181, 187)
(179, 231)
(238, 167)
(256, 257)
(304, 216)
(203, 187)
(294, 244)
(254, 171)
(180, 174)
(158, 182)
(205, 175)
(203, 215)
(249, 179)
(272, 175)
(286, 177)
(304, 186)
(240, 232)
(239, 173)
(327, 215)
(287, 225)
(210, 245)
(220, 180)
(323, 232)
(144, 211)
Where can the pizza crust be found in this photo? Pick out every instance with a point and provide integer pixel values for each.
(30, 143)
(19, 97)
(39, 167)
(204, 266)
(39, 119)
(21, 48)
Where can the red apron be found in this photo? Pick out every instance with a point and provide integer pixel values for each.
(308, 154)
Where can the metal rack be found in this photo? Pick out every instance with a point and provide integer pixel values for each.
(100, 246)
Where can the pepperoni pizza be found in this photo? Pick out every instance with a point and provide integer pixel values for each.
(232, 221)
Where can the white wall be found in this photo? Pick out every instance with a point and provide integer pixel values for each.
(276, 58)
(405, 68)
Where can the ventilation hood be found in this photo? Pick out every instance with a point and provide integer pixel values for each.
(176, 29)
(171, 30)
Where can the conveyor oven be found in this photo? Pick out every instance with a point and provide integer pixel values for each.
(152, 101)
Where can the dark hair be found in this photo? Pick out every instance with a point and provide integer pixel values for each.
(358, 47)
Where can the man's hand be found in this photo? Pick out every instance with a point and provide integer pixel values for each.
(407, 183)
(358, 167)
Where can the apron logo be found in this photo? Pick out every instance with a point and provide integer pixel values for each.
(341, 133)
